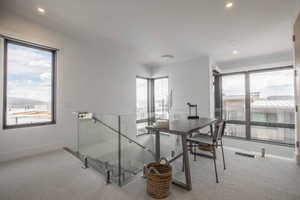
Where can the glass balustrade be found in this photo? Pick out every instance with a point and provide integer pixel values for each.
(117, 147)
(110, 144)
(98, 144)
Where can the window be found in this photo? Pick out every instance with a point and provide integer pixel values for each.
(142, 105)
(233, 96)
(272, 103)
(274, 134)
(151, 101)
(233, 93)
(272, 96)
(161, 98)
(259, 104)
(29, 85)
(141, 98)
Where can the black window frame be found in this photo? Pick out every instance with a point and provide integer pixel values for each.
(53, 82)
(248, 122)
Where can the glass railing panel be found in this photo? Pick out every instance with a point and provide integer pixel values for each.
(99, 144)
(96, 140)
(134, 155)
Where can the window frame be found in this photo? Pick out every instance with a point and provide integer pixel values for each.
(53, 82)
(248, 122)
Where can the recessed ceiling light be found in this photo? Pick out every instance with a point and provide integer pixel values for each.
(167, 57)
(235, 52)
(229, 4)
(41, 10)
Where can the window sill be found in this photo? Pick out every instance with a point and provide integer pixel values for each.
(29, 125)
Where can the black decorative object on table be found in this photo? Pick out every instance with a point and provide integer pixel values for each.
(195, 116)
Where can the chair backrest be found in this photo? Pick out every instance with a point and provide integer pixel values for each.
(219, 130)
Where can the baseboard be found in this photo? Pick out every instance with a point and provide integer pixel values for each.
(27, 152)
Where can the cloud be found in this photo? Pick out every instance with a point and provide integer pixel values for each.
(24, 60)
(45, 76)
(40, 63)
(29, 73)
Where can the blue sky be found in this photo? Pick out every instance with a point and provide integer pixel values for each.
(29, 73)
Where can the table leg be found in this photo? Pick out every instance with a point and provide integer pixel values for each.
(157, 146)
(187, 185)
(186, 163)
(211, 130)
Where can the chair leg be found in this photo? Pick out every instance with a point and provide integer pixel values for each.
(182, 169)
(214, 157)
(223, 154)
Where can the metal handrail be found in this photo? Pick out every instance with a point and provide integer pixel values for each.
(123, 135)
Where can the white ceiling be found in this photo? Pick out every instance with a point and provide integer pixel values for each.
(184, 28)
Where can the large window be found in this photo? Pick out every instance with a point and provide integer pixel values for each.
(272, 96)
(259, 104)
(272, 102)
(28, 85)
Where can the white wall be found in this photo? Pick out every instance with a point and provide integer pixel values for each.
(189, 82)
(98, 78)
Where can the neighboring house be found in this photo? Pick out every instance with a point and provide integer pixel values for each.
(273, 109)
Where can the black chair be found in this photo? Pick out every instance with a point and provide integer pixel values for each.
(209, 144)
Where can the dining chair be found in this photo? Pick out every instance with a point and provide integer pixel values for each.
(209, 144)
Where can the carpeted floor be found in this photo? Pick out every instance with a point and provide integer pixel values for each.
(58, 176)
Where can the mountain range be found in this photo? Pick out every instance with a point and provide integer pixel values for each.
(16, 101)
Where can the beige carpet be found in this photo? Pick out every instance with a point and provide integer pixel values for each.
(59, 176)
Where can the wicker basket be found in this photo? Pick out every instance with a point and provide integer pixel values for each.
(159, 177)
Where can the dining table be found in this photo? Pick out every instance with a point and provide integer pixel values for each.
(183, 128)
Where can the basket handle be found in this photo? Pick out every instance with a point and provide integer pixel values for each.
(153, 169)
(164, 159)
